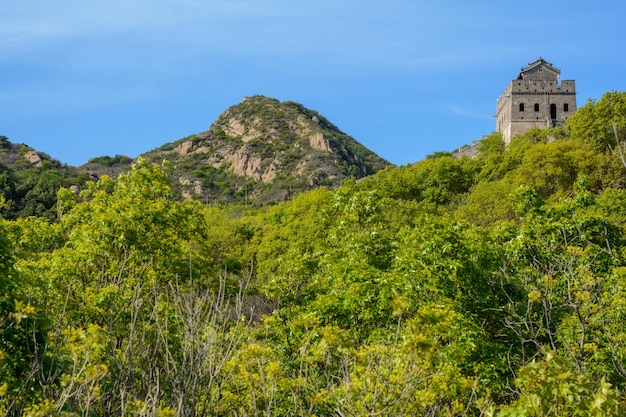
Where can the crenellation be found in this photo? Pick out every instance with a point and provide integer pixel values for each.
(536, 98)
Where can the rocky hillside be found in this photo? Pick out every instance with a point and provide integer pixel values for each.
(263, 150)
(257, 152)
(29, 181)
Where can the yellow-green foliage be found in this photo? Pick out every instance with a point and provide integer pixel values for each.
(492, 286)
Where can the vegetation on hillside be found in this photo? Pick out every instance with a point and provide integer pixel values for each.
(493, 286)
(262, 151)
(29, 181)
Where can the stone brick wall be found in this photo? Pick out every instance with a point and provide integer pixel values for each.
(535, 99)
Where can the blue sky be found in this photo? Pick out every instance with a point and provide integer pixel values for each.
(405, 78)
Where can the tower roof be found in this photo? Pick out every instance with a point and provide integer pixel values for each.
(539, 65)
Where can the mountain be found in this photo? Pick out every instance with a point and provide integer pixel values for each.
(263, 150)
(29, 181)
(259, 151)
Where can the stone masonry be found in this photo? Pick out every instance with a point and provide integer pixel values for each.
(536, 98)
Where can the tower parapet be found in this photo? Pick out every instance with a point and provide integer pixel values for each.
(536, 98)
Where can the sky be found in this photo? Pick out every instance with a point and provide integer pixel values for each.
(406, 78)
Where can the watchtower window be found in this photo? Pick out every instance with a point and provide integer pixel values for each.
(553, 111)
(521, 107)
(565, 107)
(536, 106)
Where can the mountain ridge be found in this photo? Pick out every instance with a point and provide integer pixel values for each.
(259, 151)
(276, 148)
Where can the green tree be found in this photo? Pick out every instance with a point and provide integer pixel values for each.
(562, 258)
(549, 387)
(290, 250)
(438, 181)
(137, 266)
(551, 169)
(488, 203)
(21, 337)
(602, 123)
(491, 154)
(416, 373)
(612, 205)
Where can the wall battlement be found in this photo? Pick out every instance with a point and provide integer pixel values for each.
(536, 98)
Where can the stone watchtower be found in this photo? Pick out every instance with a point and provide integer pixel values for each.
(535, 99)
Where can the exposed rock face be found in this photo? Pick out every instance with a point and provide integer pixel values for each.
(244, 163)
(234, 128)
(192, 188)
(317, 141)
(33, 158)
(281, 145)
(184, 148)
(272, 171)
(260, 151)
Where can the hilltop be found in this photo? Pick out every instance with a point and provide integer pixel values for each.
(260, 151)
(264, 150)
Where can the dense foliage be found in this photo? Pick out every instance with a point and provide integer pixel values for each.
(493, 286)
(29, 181)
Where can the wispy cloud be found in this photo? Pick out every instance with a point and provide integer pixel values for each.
(351, 35)
(109, 47)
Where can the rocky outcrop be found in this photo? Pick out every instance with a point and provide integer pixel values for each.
(244, 163)
(272, 171)
(234, 128)
(319, 142)
(33, 158)
(278, 145)
(260, 151)
(191, 188)
(184, 148)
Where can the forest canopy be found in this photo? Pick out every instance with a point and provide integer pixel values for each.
(492, 286)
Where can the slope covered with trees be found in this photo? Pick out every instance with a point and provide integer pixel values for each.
(264, 151)
(492, 286)
(258, 152)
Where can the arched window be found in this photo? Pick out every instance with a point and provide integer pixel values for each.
(565, 107)
(536, 106)
(553, 111)
(521, 107)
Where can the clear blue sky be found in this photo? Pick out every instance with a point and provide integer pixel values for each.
(80, 79)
